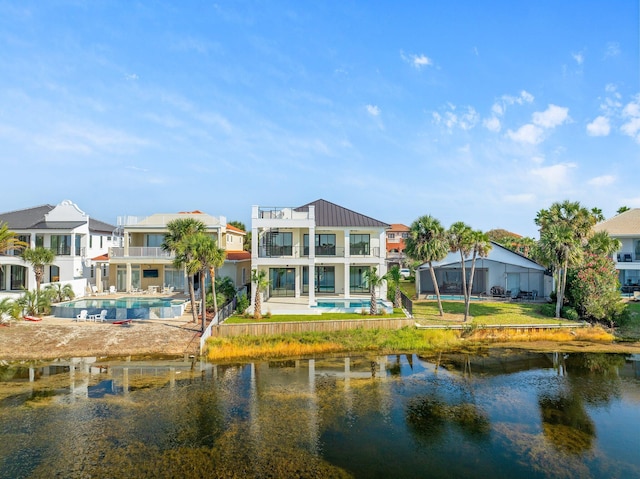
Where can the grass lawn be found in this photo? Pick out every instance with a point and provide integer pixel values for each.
(630, 329)
(485, 313)
(281, 318)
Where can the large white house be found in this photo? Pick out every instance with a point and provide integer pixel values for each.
(318, 249)
(70, 233)
(626, 228)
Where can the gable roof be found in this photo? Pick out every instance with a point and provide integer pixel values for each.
(624, 224)
(330, 214)
(35, 218)
(498, 254)
(233, 228)
(399, 227)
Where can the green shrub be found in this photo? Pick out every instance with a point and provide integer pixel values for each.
(569, 313)
(242, 304)
(548, 310)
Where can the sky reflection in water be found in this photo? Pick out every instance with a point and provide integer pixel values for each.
(499, 415)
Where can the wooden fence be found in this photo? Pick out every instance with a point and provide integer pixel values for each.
(259, 329)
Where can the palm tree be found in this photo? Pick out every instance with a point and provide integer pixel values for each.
(259, 278)
(461, 240)
(178, 241)
(9, 240)
(38, 257)
(564, 230)
(374, 280)
(394, 276)
(602, 243)
(207, 257)
(59, 293)
(480, 249)
(426, 243)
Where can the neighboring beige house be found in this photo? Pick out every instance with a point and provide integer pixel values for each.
(70, 233)
(142, 264)
(626, 228)
(318, 249)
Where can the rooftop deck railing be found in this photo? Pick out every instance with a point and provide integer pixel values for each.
(281, 213)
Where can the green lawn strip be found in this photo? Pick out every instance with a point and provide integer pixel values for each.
(354, 340)
(485, 313)
(630, 328)
(284, 318)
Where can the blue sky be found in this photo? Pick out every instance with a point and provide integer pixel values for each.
(482, 112)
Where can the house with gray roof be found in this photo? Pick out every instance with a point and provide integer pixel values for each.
(74, 237)
(319, 249)
(626, 228)
(503, 273)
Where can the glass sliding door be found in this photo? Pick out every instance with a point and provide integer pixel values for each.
(325, 279)
(357, 280)
(282, 282)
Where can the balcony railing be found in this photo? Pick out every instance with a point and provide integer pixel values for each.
(278, 213)
(140, 252)
(627, 257)
(324, 251)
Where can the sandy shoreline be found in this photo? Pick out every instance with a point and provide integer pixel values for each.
(54, 338)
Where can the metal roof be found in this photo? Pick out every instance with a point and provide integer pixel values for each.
(330, 214)
(34, 219)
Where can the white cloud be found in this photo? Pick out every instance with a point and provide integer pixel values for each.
(131, 77)
(519, 198)
(524, 97)
(578, 57)
(497, 109)
(417, 61)
(604, 180)
(466, 119)
(631, 114)
(599, 127)
(551, 117)
(373, 110)
(528, 133)
(492, 124)
(632, 129)
(632, 108)
(554, 176)
(613, 50)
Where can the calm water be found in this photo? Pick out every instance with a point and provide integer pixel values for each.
(497, 415)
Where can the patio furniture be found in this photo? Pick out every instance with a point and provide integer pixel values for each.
(102, 317)
(627, 258)
(112, 290)
(82, 316)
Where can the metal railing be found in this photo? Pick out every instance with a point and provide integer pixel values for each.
(407, 304)
(326, 251)
(223, 313)
(281, 213)
(140, 252)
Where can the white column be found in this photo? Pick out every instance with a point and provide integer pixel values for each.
(347, 265)
(312, 266)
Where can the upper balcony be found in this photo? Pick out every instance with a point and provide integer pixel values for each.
(141, 252)
(280, 217)
(275, 251)
(627, 257)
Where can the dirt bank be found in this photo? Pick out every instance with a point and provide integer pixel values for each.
(54, 338)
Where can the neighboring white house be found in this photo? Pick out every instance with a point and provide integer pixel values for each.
(318, 249)
(626, 228)
(70, 233)
(502, 270)
(141, 263)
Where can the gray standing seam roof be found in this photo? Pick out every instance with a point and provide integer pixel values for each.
(33, 218)
(330, 214)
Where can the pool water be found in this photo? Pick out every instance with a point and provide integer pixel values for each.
(123, 308)
(352, 305)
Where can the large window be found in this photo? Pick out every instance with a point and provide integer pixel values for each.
(279, 243)
(61, 245)
(359, 244)
(154, 240)
(18, 277)
(40, 241)
(325, 279)
(18, 251)
(54, 273)
(282, 281)
(357, 280)
(325, 245)
(174, 277)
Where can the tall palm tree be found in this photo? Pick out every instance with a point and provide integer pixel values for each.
(259, 278)
(38, 257)
(480, 249)
(207, 257)
(394, 276)
(426, 243)
(178, 241)
(602, 243)
(564, 230)
(461, 240)
(375, 280)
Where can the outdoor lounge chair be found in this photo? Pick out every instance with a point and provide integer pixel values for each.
(82, 316)
(102, 317)
(112, 290)
(636, 295)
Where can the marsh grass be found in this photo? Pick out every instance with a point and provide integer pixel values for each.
(384, 341)
(284, 318)
(596, 334)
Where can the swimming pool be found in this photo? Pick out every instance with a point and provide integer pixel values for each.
(123, 308)
(351, 305)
